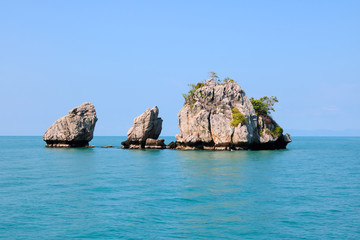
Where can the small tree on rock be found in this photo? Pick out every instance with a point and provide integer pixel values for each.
(264, 105)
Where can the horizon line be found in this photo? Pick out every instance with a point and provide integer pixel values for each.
(174, 136)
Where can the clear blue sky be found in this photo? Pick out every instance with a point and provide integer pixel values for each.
(127, 56)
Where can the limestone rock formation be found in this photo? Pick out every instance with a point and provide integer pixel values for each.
(154, 143)
(171, 145)
(146, 126)
(73, 130)
(221, 117)
(271, 134)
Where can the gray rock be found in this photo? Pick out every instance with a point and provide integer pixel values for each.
(271, 136)
(73, 130)
(107, 146)
(205, 121)
(147, 125)
(154, 143)
(171, 145)
(287, 138)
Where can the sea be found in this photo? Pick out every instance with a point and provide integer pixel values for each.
(311, 190)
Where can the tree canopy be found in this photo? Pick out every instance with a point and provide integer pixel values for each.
(264, 105)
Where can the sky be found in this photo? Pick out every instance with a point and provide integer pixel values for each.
(127, 56)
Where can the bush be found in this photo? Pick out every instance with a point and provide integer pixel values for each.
(264, 105)
(238, 118)
(277, 131)
(216, 78)
(228, 80)
(189, 97)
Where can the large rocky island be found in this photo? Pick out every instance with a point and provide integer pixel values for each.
(219, 116)
(73, 130)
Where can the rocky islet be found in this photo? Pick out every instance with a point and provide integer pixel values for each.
(73, 130)
(145, 131)
(217, 116)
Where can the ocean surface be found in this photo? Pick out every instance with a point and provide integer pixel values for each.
(309, 191)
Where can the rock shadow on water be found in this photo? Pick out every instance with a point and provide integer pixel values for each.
(70, 149)
(230, 155)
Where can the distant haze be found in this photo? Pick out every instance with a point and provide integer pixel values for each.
(127, 56)
(325, 132)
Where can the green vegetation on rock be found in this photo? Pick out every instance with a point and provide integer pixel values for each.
(277, 131)
(264, 105)
(238, 118)
(227, 79)
(216, 78)
(189, 97)
(263, 108)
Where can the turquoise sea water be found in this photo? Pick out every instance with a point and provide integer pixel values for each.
(309, 191)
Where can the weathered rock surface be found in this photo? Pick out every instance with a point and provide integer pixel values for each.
(205, 122)
(146, 126)
(171, 145)
(154, 143)
(73, 130)
(271, 136)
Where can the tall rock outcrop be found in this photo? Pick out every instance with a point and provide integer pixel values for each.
(145, 131)
(221, 117)
(73, 130)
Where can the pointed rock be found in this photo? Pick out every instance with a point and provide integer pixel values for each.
(73, 130)
(146, 126)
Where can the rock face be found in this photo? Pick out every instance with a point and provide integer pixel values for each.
(155, 143)
(221, 117)
(74, 130)
(271, 136)
(145, 131)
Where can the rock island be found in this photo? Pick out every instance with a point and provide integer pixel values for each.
(217, 115)
(73, 130)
